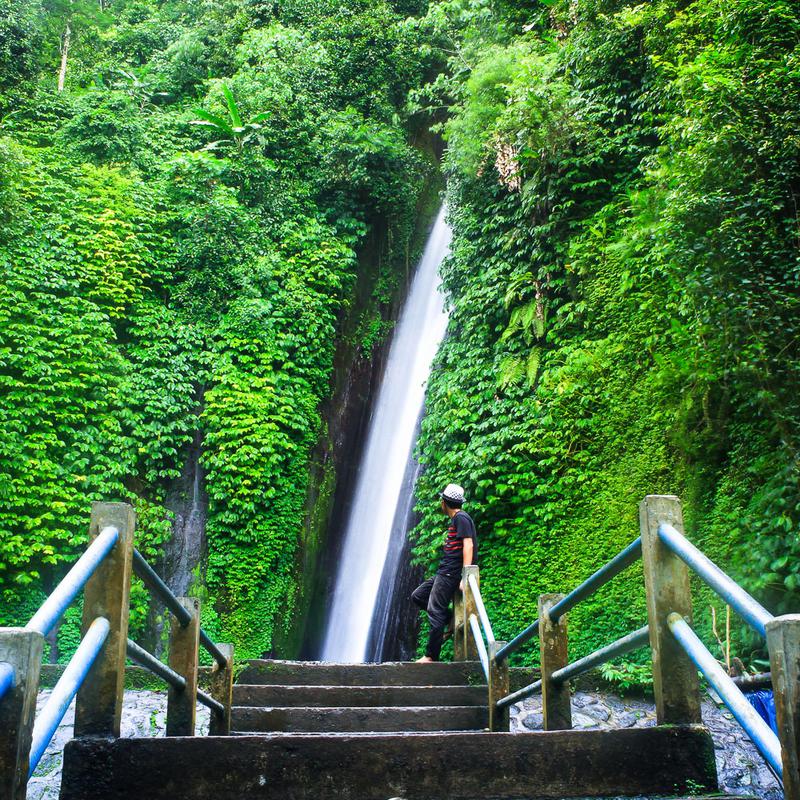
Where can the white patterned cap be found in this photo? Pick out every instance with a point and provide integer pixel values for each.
(453, 493)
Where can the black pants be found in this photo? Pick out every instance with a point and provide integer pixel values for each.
(434, 596)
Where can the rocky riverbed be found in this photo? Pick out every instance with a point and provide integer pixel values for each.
(741, 770)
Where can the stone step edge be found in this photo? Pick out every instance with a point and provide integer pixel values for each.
(371, 734)
(367, 686)
(380, 664)
(271, 734)
(358, 709)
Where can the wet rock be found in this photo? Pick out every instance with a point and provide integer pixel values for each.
(533, 721)
(582, 721)
(579, 700)
(597, 711)
(614, 704)
(625, 719)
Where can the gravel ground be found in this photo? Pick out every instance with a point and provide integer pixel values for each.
(741, 770)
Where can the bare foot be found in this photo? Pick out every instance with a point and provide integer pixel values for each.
(425, 660)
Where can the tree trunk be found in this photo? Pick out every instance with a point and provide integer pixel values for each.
(62, 73)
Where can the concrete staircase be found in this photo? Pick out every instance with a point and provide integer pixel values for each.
(380, 731)
(359, 698)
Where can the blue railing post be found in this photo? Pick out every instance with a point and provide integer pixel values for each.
(666, 578)
(21, 653)
(783, 642)
(556, 703)
(98, 709)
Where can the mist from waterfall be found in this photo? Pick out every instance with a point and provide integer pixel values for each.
(390, 440)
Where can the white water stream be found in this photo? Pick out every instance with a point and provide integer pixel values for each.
(390, 439)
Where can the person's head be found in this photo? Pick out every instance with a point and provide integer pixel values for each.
(452, 498)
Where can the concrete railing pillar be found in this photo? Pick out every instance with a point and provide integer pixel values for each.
(459, 628)
(470, 648)
(498, 688)
(783, 642)
(21, 649)
(556, 703)
(98, 708)
(222, 690)
(184, 642)
(666, 578)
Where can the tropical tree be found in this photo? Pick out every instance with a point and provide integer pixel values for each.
(231, 131)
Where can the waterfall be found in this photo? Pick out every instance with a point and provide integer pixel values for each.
(390, 440)
(394, 616)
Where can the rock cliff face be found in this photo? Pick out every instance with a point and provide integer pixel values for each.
(333, 470)
(335, 463)
(358, 365)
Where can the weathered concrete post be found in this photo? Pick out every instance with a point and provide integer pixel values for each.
(98, 708)
(183, 651)
(459, 626)
(783, 641)
(470, 648)
(498, 687)
(23, 651)
(666, 579)
(556, 704)
(222, 690)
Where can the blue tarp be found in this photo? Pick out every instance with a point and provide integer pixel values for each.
(764, 703)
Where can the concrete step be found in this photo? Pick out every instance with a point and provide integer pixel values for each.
(453, 766)
(282, 695)
(345, 719)
(390, 673)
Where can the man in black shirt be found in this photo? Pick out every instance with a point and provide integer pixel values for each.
(460, 550)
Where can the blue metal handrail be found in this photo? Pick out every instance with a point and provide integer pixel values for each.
(630, 555)
(633, 641)
(475, 627)
(67, 687)
(149, 661)
(520, 639)
(7, 678)
(51, 611)
(520, 694)
(626, 644)
(750, 609)
(160, 589)
(764, 739)
(168, 675)
(481, 609)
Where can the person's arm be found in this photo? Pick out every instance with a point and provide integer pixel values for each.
(468, 550)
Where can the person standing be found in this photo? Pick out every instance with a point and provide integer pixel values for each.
(459, 551)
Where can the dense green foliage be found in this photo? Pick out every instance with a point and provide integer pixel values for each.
(179, 230)
(624, 186)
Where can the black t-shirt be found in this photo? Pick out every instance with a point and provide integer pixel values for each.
(460, 527)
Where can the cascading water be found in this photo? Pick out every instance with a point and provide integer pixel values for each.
(390, 439)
